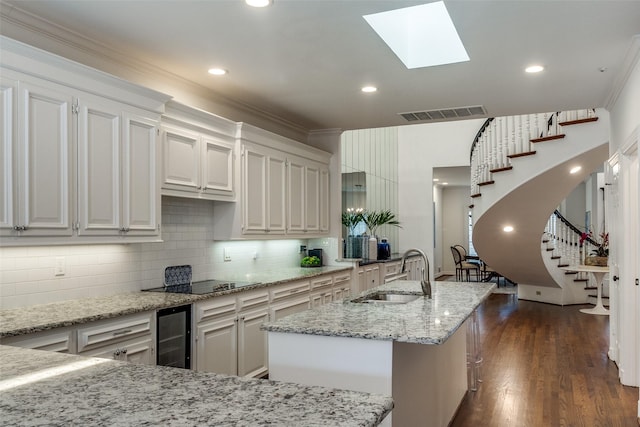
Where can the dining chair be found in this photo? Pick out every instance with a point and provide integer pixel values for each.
(462, 265)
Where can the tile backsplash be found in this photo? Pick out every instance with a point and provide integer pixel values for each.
(27, 274)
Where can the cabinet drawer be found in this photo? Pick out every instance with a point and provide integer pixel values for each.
(252, 299)
(215, 307)
(284, 291)
(107, 331)
(321, 283)
(340, 279)
(56, 340)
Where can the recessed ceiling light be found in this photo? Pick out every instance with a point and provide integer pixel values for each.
(508, 229)
(217, 71)
(575, 169)
(534, 69)
(421, 36)
(369, 89)
(435, 180)
(445, 183)
(258, 3)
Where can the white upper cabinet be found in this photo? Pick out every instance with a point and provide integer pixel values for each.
(199, 154)
(263, 196)
(79, 153)
(37, 139)
(306, 201)
(284, 189)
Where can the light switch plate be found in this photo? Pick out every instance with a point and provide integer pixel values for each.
(226, 252)
(59, 268)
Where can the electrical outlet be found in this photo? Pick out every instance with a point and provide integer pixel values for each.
(59, 268)
(226, 252)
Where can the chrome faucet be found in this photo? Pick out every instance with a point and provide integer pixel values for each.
(424, 283)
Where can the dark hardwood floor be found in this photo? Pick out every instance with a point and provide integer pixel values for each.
(545, 365)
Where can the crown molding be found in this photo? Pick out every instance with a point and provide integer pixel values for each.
(631, 59)
(38, 32)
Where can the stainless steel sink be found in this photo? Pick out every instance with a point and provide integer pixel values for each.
(386, 298)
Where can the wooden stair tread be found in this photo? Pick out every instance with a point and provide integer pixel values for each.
(528, 153)
(596, 296)
(576, 122)
(551, 249)
(556, 257)
(545, 240)
(471, 206)
(580, 280)
(570, 272)
(563, 265)
(473, 196)
(506, 168)
(486, 183)
(547, 138)
(590, 288)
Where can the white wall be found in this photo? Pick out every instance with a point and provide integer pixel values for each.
(27, 278)
(420, 149)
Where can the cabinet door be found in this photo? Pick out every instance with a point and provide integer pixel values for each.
(296, 199)
(8, 201)
(99, 153)
(254, 191)
(252, 342)
(276, 194)
(181, 163)
(216, 346)
(217, 166)
(312, 198)
(141, 191)
(372, 273)
(44, 161)
(324, 199)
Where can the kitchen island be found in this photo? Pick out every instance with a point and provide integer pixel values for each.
(416, 351)
(47, 388)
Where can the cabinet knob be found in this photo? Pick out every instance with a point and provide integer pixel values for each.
(615, 278)
(124, 351)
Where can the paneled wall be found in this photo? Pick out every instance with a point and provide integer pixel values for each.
(27, 273)
(374, 152)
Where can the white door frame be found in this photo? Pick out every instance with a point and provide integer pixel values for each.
(624, 185)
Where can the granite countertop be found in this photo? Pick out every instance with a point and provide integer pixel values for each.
(84, 391)
(26, 320)
(423, 321)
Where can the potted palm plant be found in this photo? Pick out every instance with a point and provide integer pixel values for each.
(374, 220)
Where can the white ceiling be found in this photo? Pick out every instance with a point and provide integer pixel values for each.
(305, 60)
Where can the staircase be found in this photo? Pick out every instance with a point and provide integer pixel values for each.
(520, 174)
(561, 248)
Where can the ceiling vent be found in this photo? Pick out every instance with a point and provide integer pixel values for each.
(445, 114)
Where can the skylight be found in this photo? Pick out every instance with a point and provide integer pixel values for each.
(421, 36)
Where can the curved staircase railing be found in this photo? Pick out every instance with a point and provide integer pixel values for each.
(501, 139)
(562, 238)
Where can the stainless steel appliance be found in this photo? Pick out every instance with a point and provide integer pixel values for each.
(174, 337)
(177, 279)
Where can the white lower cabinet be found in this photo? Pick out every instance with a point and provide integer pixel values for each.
(127, 338)
(228, 336)
(321, 291)
(216, 346)
(341, 286)
(252, 343)
(368, 277)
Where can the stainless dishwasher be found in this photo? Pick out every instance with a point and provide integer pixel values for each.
(174, 337)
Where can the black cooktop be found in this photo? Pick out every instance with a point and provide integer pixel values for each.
(200, 288)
